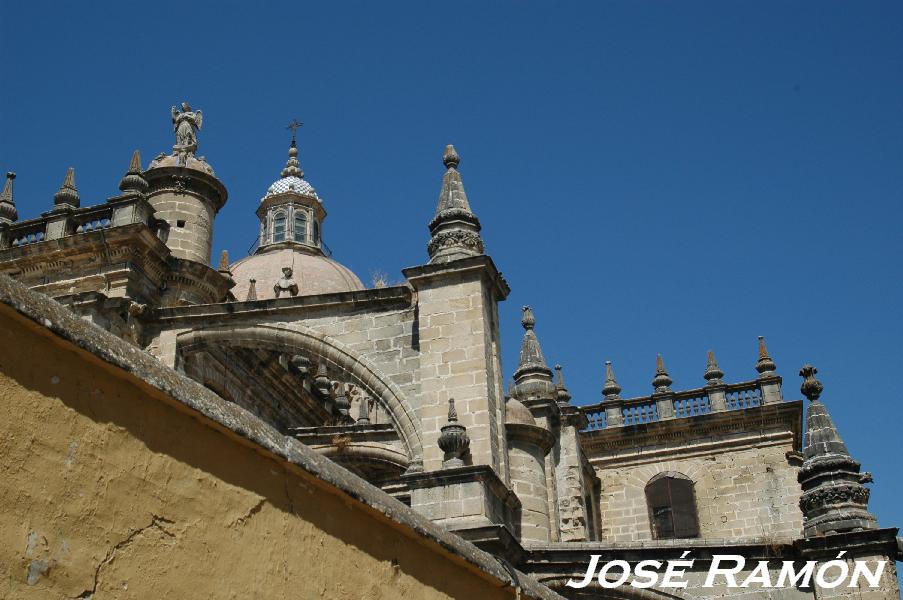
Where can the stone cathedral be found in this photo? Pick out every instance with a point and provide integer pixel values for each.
(403, 385)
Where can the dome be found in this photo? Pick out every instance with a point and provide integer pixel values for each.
(314, 274)
(516, 412)
(190, 162)
(291, 183)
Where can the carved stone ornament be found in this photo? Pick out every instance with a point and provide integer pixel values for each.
(453, 439)
(829, 496)
(455, 237)
(286, 285)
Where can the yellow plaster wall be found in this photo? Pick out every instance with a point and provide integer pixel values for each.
(109, 489)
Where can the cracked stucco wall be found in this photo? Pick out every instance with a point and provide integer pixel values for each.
(109, 489)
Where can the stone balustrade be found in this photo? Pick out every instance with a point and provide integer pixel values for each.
(60, 223)
(620, 412)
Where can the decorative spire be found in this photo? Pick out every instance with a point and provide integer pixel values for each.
(765, 366)
(453, 439)
(533, 377)
(662, 381)
(564, 396)
(8, 212)
(363, 411)
(611, 390)
(133, 180)
(252, 291)
(455, 230)
(713, 372)
(834, 498)
(67, 195)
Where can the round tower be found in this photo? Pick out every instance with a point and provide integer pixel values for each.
(184, 190)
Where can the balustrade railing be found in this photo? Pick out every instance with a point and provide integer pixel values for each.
(53, 225)
(689, 403)
(637, 412)
(25, 233)
(743, 395)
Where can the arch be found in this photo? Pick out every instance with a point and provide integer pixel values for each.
(357, 368)
(671, 501)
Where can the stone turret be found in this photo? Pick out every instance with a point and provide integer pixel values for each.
(834, 498)
(185, 192)
(455, 230)
(8, 212)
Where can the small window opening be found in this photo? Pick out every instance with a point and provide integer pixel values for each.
(300, 227)
(180, 223)
(672, 508)
(279, 228)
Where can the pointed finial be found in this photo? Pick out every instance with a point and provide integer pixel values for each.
(292, 165)
(67, 195)
(452, 411)
(453, 439)
(342, 403)
(765, 366)
(662, 381)
(528, 320)
(451, 158)
(133, 180)
(564, 396)
(252, 291)
(610, 389)
(713, 372)
(8, 212)
(224, 261)
(811, 387)
(510, 392)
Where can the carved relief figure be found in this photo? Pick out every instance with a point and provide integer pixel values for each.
(186, 124)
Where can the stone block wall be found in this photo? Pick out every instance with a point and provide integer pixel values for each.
(741, 492)
(192, 240)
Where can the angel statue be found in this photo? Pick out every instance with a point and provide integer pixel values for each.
(186, 124)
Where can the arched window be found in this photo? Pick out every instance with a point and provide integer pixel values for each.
(300, 227)
(279, 227)
(316, 233)
(672, 506)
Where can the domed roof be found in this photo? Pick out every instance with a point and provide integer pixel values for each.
(291, 183)
(190, 162)
(516, 412)
(314, 273)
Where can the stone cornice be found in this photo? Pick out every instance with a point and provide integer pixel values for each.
(395, 297)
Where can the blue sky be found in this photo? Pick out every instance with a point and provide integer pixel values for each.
(652, 177)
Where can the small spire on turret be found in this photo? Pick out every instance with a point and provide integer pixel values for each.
(455, 230)
(765, 366)
(834, 498)
(610, 390)
(67, 195)
(133, 180)
(564, 396)
(293, 166)
(8, 212)
(662, 381)
(713, 372)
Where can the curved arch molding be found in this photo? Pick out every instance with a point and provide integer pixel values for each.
(302, 340)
